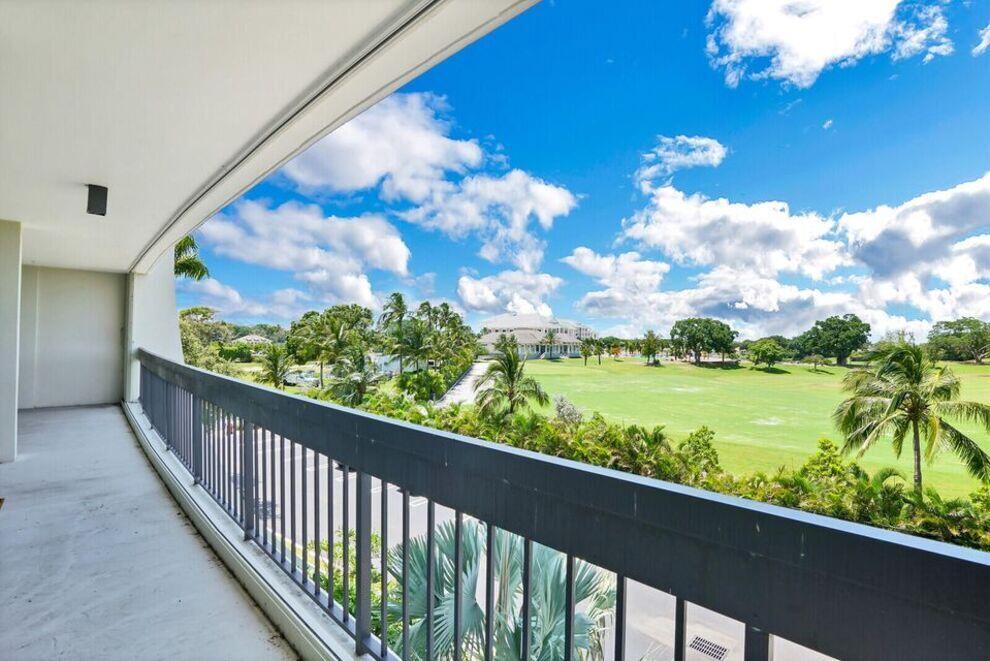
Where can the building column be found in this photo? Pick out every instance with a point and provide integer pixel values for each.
(10, 331)
(152, 320)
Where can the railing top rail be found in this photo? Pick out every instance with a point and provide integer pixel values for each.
(842, 588)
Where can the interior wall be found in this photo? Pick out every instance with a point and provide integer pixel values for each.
(152, 320)
(72, 337)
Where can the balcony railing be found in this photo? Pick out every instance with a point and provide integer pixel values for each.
(273, 460)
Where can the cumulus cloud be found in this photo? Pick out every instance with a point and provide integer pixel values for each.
(795, 40)
(500, 211)
(765, 237)
(509, 291)
(984, 43)
(678, 153)
(282, 304)
(627, 272)
(402, 144)
(330, 254)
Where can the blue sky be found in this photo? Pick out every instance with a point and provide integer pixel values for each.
(767, 163)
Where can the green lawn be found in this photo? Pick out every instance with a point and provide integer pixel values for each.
(762, 420)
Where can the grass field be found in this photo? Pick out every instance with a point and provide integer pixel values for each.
(762, 420)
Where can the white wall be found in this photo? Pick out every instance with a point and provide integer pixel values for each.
(152, 319)
(72, 330)
(10, 294)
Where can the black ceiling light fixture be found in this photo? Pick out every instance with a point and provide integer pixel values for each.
(96, 202)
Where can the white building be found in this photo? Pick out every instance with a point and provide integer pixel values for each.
(532, 334)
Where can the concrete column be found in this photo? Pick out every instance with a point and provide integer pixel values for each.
(152, 320)
(10, 330)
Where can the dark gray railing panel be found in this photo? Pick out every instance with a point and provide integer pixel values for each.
(844, 589)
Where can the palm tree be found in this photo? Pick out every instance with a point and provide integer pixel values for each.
(395, 312)
(354, 376)
(187, 261)
(505, 385)
(909, 392)
(550, 339)
(417, 342)
(587, 349)
(593, 590)
(275, 363)
(599, 349)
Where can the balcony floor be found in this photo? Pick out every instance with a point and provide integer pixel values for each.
(98, 562)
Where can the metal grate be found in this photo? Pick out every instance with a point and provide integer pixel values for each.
(708, 648)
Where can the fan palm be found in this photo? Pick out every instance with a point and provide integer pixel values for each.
(547, 591)
(909, 392)
(505, 385)
(187, 260)
(275, 363)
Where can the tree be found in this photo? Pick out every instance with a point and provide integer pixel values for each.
(701, 334)
(550, 339)
(593, 592)
(187, 260)
(907, 392)
(837, 337)
(961, 339)
(587, 349)
(275, 363)
(506, 387)
(395, 312)
(814, 360)
(353, 378)
(766, 352)
(599, 349)
(650, 347)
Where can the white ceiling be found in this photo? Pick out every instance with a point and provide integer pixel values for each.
(178, 107)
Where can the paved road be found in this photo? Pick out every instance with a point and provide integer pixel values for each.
(462, 392)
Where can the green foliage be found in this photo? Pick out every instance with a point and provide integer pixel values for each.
(275, 363)
(905, 393)
(700, 335)
(650, 347)
(238, 352)
(505, 388)
(423, 386)
(766, 352)
(187, 260)
(837, 337)
(961, 339)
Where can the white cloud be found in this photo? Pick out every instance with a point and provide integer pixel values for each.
(764, 237)
(508, 291)
(282, 304)
(330, 254)
(984, 42)
(827, 124)
(627, 272)
(795, 40)
(678, 153)
(402, 144)
(500, 211)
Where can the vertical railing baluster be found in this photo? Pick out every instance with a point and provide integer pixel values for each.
(620, 617)
(197, 439)
(281, 498)
(458, 563)
(331, 533)
(383, 537)
(430, 578)
(265, 505)
(680, 625)
(527, 577)
(247, 478)
(271, 481)
(346, 542)
(489, 592)
(362, 526)
(569, 610)
(292, 504)
(304, 495)
(316, 523)
(757, 644)
(406, 653)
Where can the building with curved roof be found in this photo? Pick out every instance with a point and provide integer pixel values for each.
(533, 334)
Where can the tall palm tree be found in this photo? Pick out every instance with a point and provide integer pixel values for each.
(187, 260)
(275, 363)
(908, 392)
(587, 349)
(506, 385)
(395, 312)
(592, 589)
(550, 339)
(417, 342)
(354, 377)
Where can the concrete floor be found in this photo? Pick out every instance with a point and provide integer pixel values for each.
(98, 562)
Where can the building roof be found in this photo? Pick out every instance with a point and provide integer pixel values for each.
(509, 321)
(253, 339)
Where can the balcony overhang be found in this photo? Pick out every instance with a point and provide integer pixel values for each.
(178, 108)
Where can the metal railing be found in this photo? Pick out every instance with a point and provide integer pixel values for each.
(302, 478)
